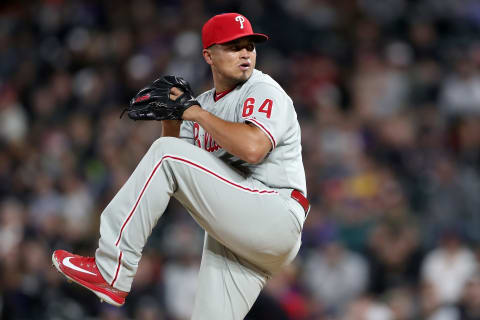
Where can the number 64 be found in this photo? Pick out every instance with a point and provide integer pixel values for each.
(249, 105)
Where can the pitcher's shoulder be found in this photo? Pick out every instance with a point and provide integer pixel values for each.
(260, 80)
(259, 77)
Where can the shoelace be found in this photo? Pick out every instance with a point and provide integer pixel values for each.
(90, 260)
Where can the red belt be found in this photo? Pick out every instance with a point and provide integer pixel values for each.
(300, 198)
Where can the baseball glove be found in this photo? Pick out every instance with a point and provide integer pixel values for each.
(154, 103)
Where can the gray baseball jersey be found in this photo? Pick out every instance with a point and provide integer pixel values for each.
(262, 102)
(253, 225)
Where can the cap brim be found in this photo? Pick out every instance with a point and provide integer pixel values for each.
(256, 37)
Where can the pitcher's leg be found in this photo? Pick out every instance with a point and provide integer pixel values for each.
(127, 221)
(249, 218)
(227, 285)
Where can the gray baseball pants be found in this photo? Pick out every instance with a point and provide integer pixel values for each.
(252, 231)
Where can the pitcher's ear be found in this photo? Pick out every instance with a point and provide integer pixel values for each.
(207, 55)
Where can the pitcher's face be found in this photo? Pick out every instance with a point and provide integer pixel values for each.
(232, 62)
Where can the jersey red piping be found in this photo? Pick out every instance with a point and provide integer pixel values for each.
(191, 163)
(264, 129)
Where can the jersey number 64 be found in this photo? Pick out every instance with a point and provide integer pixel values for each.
(249, 105)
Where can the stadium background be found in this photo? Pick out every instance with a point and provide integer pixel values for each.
(388, 96)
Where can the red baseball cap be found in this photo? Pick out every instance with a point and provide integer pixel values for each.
(226, 27)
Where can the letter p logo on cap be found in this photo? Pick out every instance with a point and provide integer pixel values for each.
(241, 20)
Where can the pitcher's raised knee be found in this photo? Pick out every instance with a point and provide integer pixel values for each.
(167, 144)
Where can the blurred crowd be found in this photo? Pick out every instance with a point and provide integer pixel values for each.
(388, 97)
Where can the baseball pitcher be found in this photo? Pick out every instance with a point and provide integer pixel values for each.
(232, 158)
